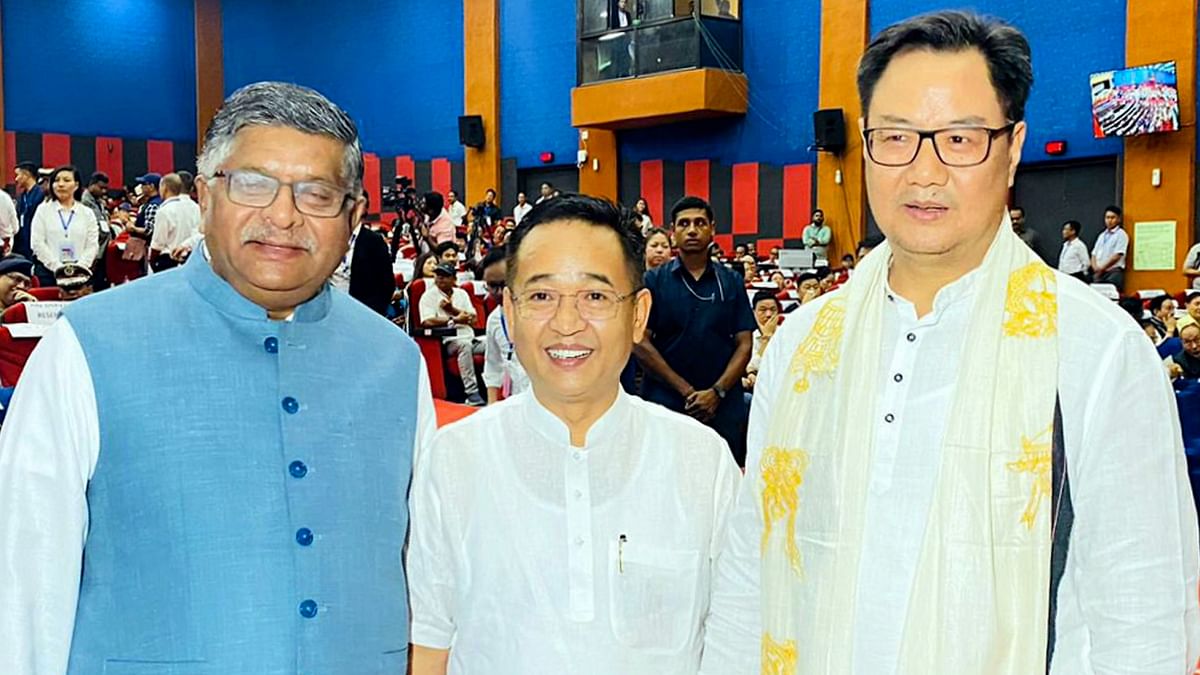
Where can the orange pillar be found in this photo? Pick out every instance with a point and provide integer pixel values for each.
(840, 189)
(598, 175)
(1148, 40)
(481, 65)
(210, 65)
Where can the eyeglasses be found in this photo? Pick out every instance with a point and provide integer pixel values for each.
(312, 198)
(954, 146)
(540, 304)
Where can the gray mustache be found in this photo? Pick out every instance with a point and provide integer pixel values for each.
(265, 234)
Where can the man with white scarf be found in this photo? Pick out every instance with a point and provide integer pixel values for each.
(961, 461)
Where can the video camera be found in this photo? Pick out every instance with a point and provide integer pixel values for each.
(401, 198)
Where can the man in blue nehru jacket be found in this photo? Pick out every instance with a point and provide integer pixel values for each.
(194, 477)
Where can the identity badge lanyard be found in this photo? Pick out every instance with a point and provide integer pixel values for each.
(345, 268)
(506, 386)
(67, 248)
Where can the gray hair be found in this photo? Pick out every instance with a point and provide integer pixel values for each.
(282, 104)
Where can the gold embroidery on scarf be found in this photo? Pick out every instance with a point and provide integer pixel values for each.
(778, 658)
(1036, 461)
(819, 353)
(783, 474)
(1031, 306)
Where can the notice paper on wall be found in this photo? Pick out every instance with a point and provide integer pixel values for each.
(44, 313)
(1154, 245)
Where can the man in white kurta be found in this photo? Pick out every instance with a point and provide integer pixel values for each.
(1127, 599)
(572, 528)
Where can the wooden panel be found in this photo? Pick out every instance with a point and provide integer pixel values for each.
(660, 99)
(601, 146)
(844, 32)
(1174, 153)
(210, 64)
(481, 65)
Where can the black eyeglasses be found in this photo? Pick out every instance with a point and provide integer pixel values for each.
(954, 146)
(313, 198)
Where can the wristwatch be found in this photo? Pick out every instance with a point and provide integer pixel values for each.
(720, 392)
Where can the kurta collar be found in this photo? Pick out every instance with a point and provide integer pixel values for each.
(555, 430)
(227, 300)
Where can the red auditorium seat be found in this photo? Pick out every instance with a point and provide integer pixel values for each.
(448, 412)
(16, 314)
(120, 270)
(14, 353)
(46, 293)
(431, 347)
(477, 303)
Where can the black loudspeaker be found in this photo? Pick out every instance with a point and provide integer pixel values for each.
(829, 128)
(470, 131)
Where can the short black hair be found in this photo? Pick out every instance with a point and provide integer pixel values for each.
(1191, 296)
(657, 231)
(765, 295)
(1114, 209)
(69, 168)
(28, 167)
(441, 248)
(1017, 208)
(98, 177)
(807, 276)
(1157, 301)
(593, 210)
(189, 181)
(691, 202)
(1005, 49)
(820, 211)
(498, 254)
(848, 256)
(822, 272)
(1074, 225)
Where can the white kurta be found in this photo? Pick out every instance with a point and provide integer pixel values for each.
(58, 434)
(177, 221)
(530, 556)
(500, 357)
(59, 236)
(1128, 600)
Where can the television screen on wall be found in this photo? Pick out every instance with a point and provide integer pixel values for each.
(1135, 101)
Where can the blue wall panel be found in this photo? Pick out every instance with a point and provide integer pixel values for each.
(397, 68)
(100, 68)
(782, 61)
(537, 72)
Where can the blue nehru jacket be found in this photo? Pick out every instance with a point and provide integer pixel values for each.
(248, 507)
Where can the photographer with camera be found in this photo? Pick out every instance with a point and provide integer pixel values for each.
(402, 200)
(484, 217)
(438, 226)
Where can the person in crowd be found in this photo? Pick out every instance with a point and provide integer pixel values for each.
(817, 236)
(95, 197)
(175, 223)
(10, 222)
(64, 230)
(1183, 367)
(74, 281)
(808, 286)
(641, 213)
(1191, 266)
(1108, 255)
(503, 374)
(1074, 259)
(448, 306)
(439, 226)
(1193, 305)
(773, 258)
(825, 279)
(842, 275)
(767, 314)
(886, 487)
(781, 281)
(1162, 318)
(522, 208)
(546, 191)
(658, 247)
(749, 268)
(456, 209)
(500, 235)
(596, 513)
(700, 332)
(142, 231)
(447, 253)
(424, 265)
(739, 251)
(867, 245)
(1030, 236)
(16, 277)
(213, 499)
(30, 196)
(365, 271)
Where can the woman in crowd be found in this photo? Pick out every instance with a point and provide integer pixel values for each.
(423, 267)
(641, 212)
(767, 314)
(64, 230)
(658, 248)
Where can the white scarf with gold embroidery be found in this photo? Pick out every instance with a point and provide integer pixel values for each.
(979, 601)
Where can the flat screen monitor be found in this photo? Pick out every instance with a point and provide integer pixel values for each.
(797, 259)
(1135, 101)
